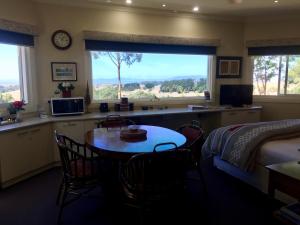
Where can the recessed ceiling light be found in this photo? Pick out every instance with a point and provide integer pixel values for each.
(276, 1)
(163, 5)
(196, 9)
(128, 1)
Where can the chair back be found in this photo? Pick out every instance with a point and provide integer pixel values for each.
(195, 138)
(77, 161)
(113, 121)
(158, 173)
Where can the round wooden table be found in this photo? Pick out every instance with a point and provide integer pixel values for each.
(108, 141)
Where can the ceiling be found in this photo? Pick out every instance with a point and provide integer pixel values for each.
(206, 7)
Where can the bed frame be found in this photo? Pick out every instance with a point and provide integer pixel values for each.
(259, 178)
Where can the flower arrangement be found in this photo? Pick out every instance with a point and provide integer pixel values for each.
(16, 106)
(65, 88)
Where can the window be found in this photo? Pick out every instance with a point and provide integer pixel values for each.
(12, 74)
(276, 74)
(148, 75)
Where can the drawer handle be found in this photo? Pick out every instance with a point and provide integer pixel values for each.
(35, 130)
(72, 124)
(22, 133)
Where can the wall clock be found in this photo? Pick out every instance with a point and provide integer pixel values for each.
(61, 39)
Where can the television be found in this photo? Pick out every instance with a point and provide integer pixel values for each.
(236, 95)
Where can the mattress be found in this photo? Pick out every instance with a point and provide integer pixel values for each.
(279, 151)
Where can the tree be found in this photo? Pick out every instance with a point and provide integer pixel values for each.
(6, 97)
(265, 68)
(294, 76)
(117, 59)
(141, 94)
(131, 86)
(108, 92)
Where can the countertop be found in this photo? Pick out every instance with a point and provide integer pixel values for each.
(28, 122)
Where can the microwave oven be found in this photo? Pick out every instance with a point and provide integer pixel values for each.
(67, 106)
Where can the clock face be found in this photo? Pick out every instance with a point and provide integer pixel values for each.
(61, 39)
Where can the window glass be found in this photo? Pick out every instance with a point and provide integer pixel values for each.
(276, 75)
(9, 74)
(148, 75)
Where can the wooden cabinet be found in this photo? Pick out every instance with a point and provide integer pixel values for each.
(240, 116)
(72, 129)
(24, 151)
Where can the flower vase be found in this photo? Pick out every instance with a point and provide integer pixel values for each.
(19, 116)
(66, 94)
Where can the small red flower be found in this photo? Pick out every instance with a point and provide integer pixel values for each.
(18, 105)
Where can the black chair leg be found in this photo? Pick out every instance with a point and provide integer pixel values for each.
(61, 186)
(62, 204)
(202, 179)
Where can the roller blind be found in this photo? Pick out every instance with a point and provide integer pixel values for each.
(274, 50)
(10, 37)
(98, 45)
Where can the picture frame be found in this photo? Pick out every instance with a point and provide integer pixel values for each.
(64, 71)
(229, 66)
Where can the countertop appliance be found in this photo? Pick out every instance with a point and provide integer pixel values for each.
(67, 106)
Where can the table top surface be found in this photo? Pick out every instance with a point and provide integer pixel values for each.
(108, 140)
(290, 169)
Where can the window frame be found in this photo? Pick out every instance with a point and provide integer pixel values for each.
(28, 92)
(279, 98)
(167, 100)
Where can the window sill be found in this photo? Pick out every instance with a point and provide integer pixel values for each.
(168, 101)
(292, 99)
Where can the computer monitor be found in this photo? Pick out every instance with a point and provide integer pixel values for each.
(236, 95)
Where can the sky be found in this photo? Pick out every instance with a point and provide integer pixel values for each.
(152, 66)
(9, 68)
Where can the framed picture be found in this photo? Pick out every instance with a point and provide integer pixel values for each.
(229, 67)
(64, 71)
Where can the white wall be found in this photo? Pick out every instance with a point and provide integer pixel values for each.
(50, 17)
(275, 108)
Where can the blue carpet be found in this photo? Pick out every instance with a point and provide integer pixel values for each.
(229, 202)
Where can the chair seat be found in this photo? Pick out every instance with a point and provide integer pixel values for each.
(84, 168)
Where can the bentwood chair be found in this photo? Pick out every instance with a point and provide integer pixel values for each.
(150, 178)
(195, 139)
(81, 171)
(114, 121)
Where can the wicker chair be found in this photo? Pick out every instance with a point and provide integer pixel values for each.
(81, 171)
(150, 178)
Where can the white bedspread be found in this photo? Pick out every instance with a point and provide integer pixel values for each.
(279, 151)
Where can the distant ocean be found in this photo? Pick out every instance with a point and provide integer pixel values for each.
(126, 80)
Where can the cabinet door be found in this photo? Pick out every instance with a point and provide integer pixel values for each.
(236, 117)
(252, 116)
(25, 150)
(72, 129)
(41, 146)
(231, 117)
(90, 125)
(15, 159)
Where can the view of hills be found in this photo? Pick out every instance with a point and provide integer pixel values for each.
(126, 80)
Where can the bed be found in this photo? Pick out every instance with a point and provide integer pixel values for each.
(244, 150)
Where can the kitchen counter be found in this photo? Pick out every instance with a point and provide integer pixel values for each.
(28, 122)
